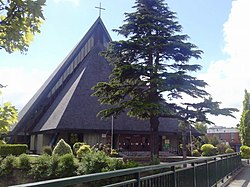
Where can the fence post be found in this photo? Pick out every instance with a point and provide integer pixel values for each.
(138, 179)
(174, 176)
(207, 173)
(223, 173)
(194, 174)
(216, 172)
(227, 167)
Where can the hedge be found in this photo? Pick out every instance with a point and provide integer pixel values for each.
(13, 149)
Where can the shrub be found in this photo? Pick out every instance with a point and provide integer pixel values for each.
(41, 170)
(214, 140)
(221, 148)
(53, 167)
(77, 146)
(7, 165)
(93, 162)
(114, 164)
(196, 153)
(13, 149)
(114, 153)
(24, 161)
(106, 148)
(245, 151)
(208, 150)
(47, 150)
(131, 164)
(66, 166)
(229, 150)
(2, 142)
(83, 150)
(62, 148)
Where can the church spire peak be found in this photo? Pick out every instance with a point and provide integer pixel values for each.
(100, 9)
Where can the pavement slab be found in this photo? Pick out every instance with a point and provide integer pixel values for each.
(242, 179)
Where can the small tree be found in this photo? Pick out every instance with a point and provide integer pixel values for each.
(245, 121)
(8, 116)
(19, 21)
(62, 148)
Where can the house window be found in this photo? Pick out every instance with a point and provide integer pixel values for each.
(220, 136)
(232, 136)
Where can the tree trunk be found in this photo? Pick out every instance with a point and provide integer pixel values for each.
(154, 137)
(184, 146)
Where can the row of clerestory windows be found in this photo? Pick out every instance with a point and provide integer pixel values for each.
(81, 55)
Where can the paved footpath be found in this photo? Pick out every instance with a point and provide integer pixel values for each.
(242, 179)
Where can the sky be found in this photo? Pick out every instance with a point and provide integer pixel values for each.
(219, 28)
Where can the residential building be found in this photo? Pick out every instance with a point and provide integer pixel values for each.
(227, 135)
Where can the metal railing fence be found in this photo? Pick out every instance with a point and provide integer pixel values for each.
(200, 172)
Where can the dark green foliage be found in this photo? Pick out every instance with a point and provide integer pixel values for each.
(47, 150)
(131, 164)
(245, 151)
(208, 150)
(49, 167)
(245, 121)
(41, 170)
(13, 149)
(221, 148)
(24, 162)
(201, 127)
(142, 63)
(7, 165)
(66, 166)
(53, 168)
(98, 161)
(93, 162)
(114, 164)
(62, 148)
(214, 140)
(155, 59)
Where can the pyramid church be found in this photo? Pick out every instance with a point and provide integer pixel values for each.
(64, 108)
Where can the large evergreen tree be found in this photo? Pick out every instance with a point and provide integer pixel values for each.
(153, 61)
(245, 120)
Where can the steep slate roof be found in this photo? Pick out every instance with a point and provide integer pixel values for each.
(64, 102)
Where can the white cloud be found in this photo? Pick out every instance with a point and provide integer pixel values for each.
(74, 2)
(228, 78)
(21, 84)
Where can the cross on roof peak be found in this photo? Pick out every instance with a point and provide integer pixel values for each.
(100, 9)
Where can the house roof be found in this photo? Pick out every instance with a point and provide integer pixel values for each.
(64, 102)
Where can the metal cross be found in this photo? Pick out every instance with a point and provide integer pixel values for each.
(100, 9)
